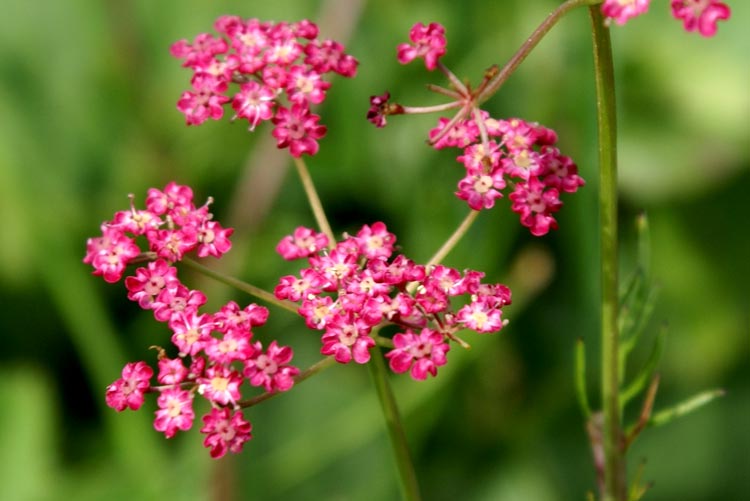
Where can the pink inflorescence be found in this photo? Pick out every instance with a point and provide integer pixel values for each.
(496, 154)
(215, 352)
(428, 43)
(358, 286)
(278, 68)
(621, 11)
(696, 15)
(700, 15)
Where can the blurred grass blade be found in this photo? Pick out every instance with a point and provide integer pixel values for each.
(640, 315)
(580, 379)
(646, 373)
(644, 243)
(686, 407)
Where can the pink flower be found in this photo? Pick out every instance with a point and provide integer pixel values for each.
(171, 371)
(481, 190)
(206, 101)
(174, 197)
(347, 338)
(536, 203)
(172, 245)
(423, 353)
(480, 316)
(271, 369)
(203, 48)
(297, 129)
(306, 87)
(191, 332)
(700, 15)
(213, 239)
(176, 301)
(148, 282)
(429, 43)
(175, 411)
(231, 317)
(220, 385)
(233, 346)
(620, 11)
(254, 102)
(136, 222)
(378, 109)
(329, 55)
(304, 242)
(294, 289)
(129, 389)
(375, 241)
(225, 431)
(110, 253)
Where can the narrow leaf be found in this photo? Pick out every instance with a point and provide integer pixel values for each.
(685, 407)
(646, 374)
(580, 379)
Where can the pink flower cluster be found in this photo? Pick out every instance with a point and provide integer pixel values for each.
(696, 15)
(700, 15)
(267, 60)
(518, 153)
(495, 153)
(356, 287)
(171, 224)
(429, 43)
(215, 351)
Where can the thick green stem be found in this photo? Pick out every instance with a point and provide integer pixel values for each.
(312, 197)
(615, 488)
(407, 475)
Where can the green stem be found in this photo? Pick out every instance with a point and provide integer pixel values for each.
(615, 488)
(240, 285)
(515, 61)
(455, 238)
(312, 197)
(306, 374)
(407, 475)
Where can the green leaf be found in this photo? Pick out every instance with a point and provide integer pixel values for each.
(645, 375)
(686, 407)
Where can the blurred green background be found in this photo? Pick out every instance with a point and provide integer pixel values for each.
(87, 99)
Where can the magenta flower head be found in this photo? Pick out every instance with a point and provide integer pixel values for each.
(279, 68)
(127, 392)
(423, 353)
(620, 11)
(225, 431)
(429, 43)
(700, 15)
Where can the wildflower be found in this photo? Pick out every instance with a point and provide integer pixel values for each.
(429, 43)
(621, 11)
(225, 431)
(700, 15)
(297, 129)
(423, 353)
(175, 411)
(127, 392)
(271, 368)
